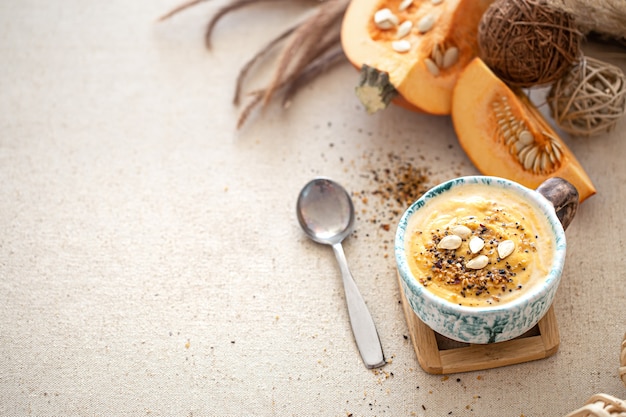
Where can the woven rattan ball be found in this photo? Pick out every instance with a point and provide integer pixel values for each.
(601, 405)
(590, 99)
(527, 42)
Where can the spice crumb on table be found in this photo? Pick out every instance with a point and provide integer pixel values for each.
(395, 183)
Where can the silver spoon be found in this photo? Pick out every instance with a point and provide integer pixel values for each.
(326, 213)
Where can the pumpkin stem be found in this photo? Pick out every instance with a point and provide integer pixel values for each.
(374, 90)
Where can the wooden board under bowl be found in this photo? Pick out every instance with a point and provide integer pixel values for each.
(438, 354)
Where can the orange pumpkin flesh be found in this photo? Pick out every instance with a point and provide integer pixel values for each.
(456, 25)
(505, 135)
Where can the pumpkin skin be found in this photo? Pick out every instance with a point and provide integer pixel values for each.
(505, 135)
(419, 89)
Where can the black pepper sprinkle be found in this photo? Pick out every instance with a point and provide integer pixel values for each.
(398, 183)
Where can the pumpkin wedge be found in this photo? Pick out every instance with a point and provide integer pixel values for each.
(421, 46)
(505, 135)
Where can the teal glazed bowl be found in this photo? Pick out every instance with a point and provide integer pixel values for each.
(557, 201)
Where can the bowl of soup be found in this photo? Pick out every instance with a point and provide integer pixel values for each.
(480, 258)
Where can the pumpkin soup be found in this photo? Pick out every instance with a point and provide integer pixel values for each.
(476, 246)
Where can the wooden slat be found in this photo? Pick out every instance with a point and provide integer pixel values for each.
(550, 332)
(424, 340)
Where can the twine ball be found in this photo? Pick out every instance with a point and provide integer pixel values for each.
(601, 405)
(622, 369)
(528, 43)
(589, 99)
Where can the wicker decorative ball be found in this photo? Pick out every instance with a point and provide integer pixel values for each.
(527, 42)
(590, 99)
(601, 405)
(622, 361)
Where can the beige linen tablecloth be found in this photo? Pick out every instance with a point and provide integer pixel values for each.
(150, 258)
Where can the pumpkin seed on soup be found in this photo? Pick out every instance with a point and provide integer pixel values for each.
(476, 244)
(450, 242)
(462, 231)
(478, 262)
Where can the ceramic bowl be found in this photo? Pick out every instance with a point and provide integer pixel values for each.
(497, 323)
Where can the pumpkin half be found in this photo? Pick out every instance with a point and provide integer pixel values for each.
(421, 45)
(505, 135)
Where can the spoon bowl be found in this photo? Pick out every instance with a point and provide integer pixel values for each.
(326, 214)
(325, 211)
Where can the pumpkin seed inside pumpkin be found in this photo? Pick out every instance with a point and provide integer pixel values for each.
(536, 153)
(401, 46)
(405, 5)
(426, 23)
(404, 29)
(385, 19)
(431, 66)
(437, 55)
(450, 57)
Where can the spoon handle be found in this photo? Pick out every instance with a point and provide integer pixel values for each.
(363, 327)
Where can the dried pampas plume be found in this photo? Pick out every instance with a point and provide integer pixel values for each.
(308, 49)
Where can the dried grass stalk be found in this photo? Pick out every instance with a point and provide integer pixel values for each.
(236, 5)
(243, 72)
(292, 84)
(310, 39)
(179, 9)
(309, 48)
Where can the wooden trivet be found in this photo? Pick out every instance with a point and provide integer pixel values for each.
(438, 354)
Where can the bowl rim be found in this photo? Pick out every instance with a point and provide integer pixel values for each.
(534, 293)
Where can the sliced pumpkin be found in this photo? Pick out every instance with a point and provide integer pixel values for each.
(423, 61)
(505, 135)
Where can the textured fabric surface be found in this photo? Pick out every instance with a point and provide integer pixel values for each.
(150, 258)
